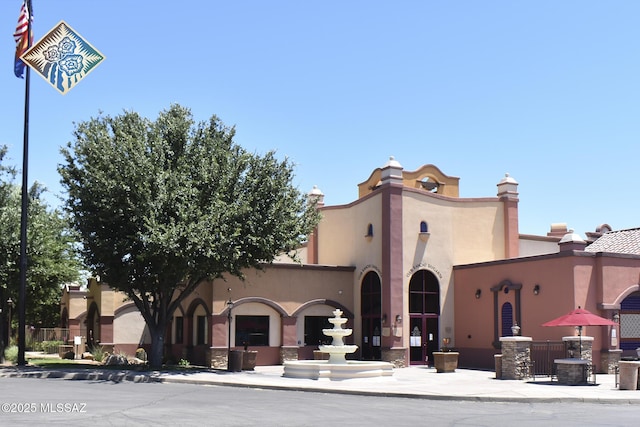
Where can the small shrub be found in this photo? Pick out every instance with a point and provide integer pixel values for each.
(141, 354)
(11, 353)
(98, 353)
(51, 347)
(184, 363)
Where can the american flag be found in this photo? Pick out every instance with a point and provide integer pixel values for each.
(23, 38)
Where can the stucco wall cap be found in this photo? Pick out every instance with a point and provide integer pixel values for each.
(508, 179)
(516, 339)
(315, 191)
(392, 163)
(577, 338)
(571, 237)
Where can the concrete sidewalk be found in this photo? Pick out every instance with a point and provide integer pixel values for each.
(412, 382)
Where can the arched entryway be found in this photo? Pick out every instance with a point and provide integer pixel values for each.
(198, 332)
(424, 313)
(371, 308)
(93, 325)
(630, 324)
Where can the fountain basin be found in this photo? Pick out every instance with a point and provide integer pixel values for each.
(323, 369)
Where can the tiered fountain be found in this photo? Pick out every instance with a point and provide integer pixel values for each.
(337, 367)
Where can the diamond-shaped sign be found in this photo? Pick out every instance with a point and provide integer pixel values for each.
(62, 57)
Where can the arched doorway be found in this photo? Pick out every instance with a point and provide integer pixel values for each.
(424, 313)
(370, 308)
(93, 325)
(630, 324)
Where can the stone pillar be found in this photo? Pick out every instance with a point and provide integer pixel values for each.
(397, 356)
(609, 359)
(579, 347)
(288, 353)
(516, 357)
(217, 357)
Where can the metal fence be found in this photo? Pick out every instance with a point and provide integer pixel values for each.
(46, 339)
(543, 354)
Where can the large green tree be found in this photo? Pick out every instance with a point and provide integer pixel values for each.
(167, 204)
(52, 257)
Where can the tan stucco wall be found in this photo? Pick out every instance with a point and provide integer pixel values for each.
(537, 245)
(289, 286)
(129, 327)
(341, 233)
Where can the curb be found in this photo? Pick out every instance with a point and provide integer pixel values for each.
(159, 377)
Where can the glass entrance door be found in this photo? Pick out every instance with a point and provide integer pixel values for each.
(423, 340)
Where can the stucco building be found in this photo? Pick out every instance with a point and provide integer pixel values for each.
(410, 263)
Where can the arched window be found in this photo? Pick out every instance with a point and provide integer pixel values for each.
(424, 293)
(423, 227)
(507, 319)
(200, 335)
(369, 230)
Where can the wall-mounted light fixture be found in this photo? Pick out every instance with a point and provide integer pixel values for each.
(478, 293)
(369, 234)
(384, 318)
(616, 317)
(398, 318)
(536, 289)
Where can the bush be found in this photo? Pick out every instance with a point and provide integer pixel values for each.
(141, 354)
(98, 353)
(11, 353)
(51, 347)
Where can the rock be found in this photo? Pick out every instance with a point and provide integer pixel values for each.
(136, 361)
(69, 355)
(87, 356)
(115, 360)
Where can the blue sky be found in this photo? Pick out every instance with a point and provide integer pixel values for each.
(547, 91)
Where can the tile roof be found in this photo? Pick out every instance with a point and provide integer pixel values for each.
(621, 241)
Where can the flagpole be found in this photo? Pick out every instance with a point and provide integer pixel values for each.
(22, 305)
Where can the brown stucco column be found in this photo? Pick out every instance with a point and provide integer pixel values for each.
(289, 348)
(75, 329)
(219, 330)
(216, 355)
(312, 240)
(289, 335)
(508, 194)
(106, 329)
(392, 253)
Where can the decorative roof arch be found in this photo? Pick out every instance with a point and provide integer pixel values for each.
(428, 177)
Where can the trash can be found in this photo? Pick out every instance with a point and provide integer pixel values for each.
(235, 361)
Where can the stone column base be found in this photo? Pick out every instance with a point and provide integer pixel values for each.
(288, 353)
(609, 360)
(397, 356)
(217, 357)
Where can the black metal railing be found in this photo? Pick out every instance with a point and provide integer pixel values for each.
(543, 354)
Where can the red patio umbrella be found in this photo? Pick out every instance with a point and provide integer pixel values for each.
(579, 318)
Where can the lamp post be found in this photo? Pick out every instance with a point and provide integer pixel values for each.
(10, 307)
(229, 307)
